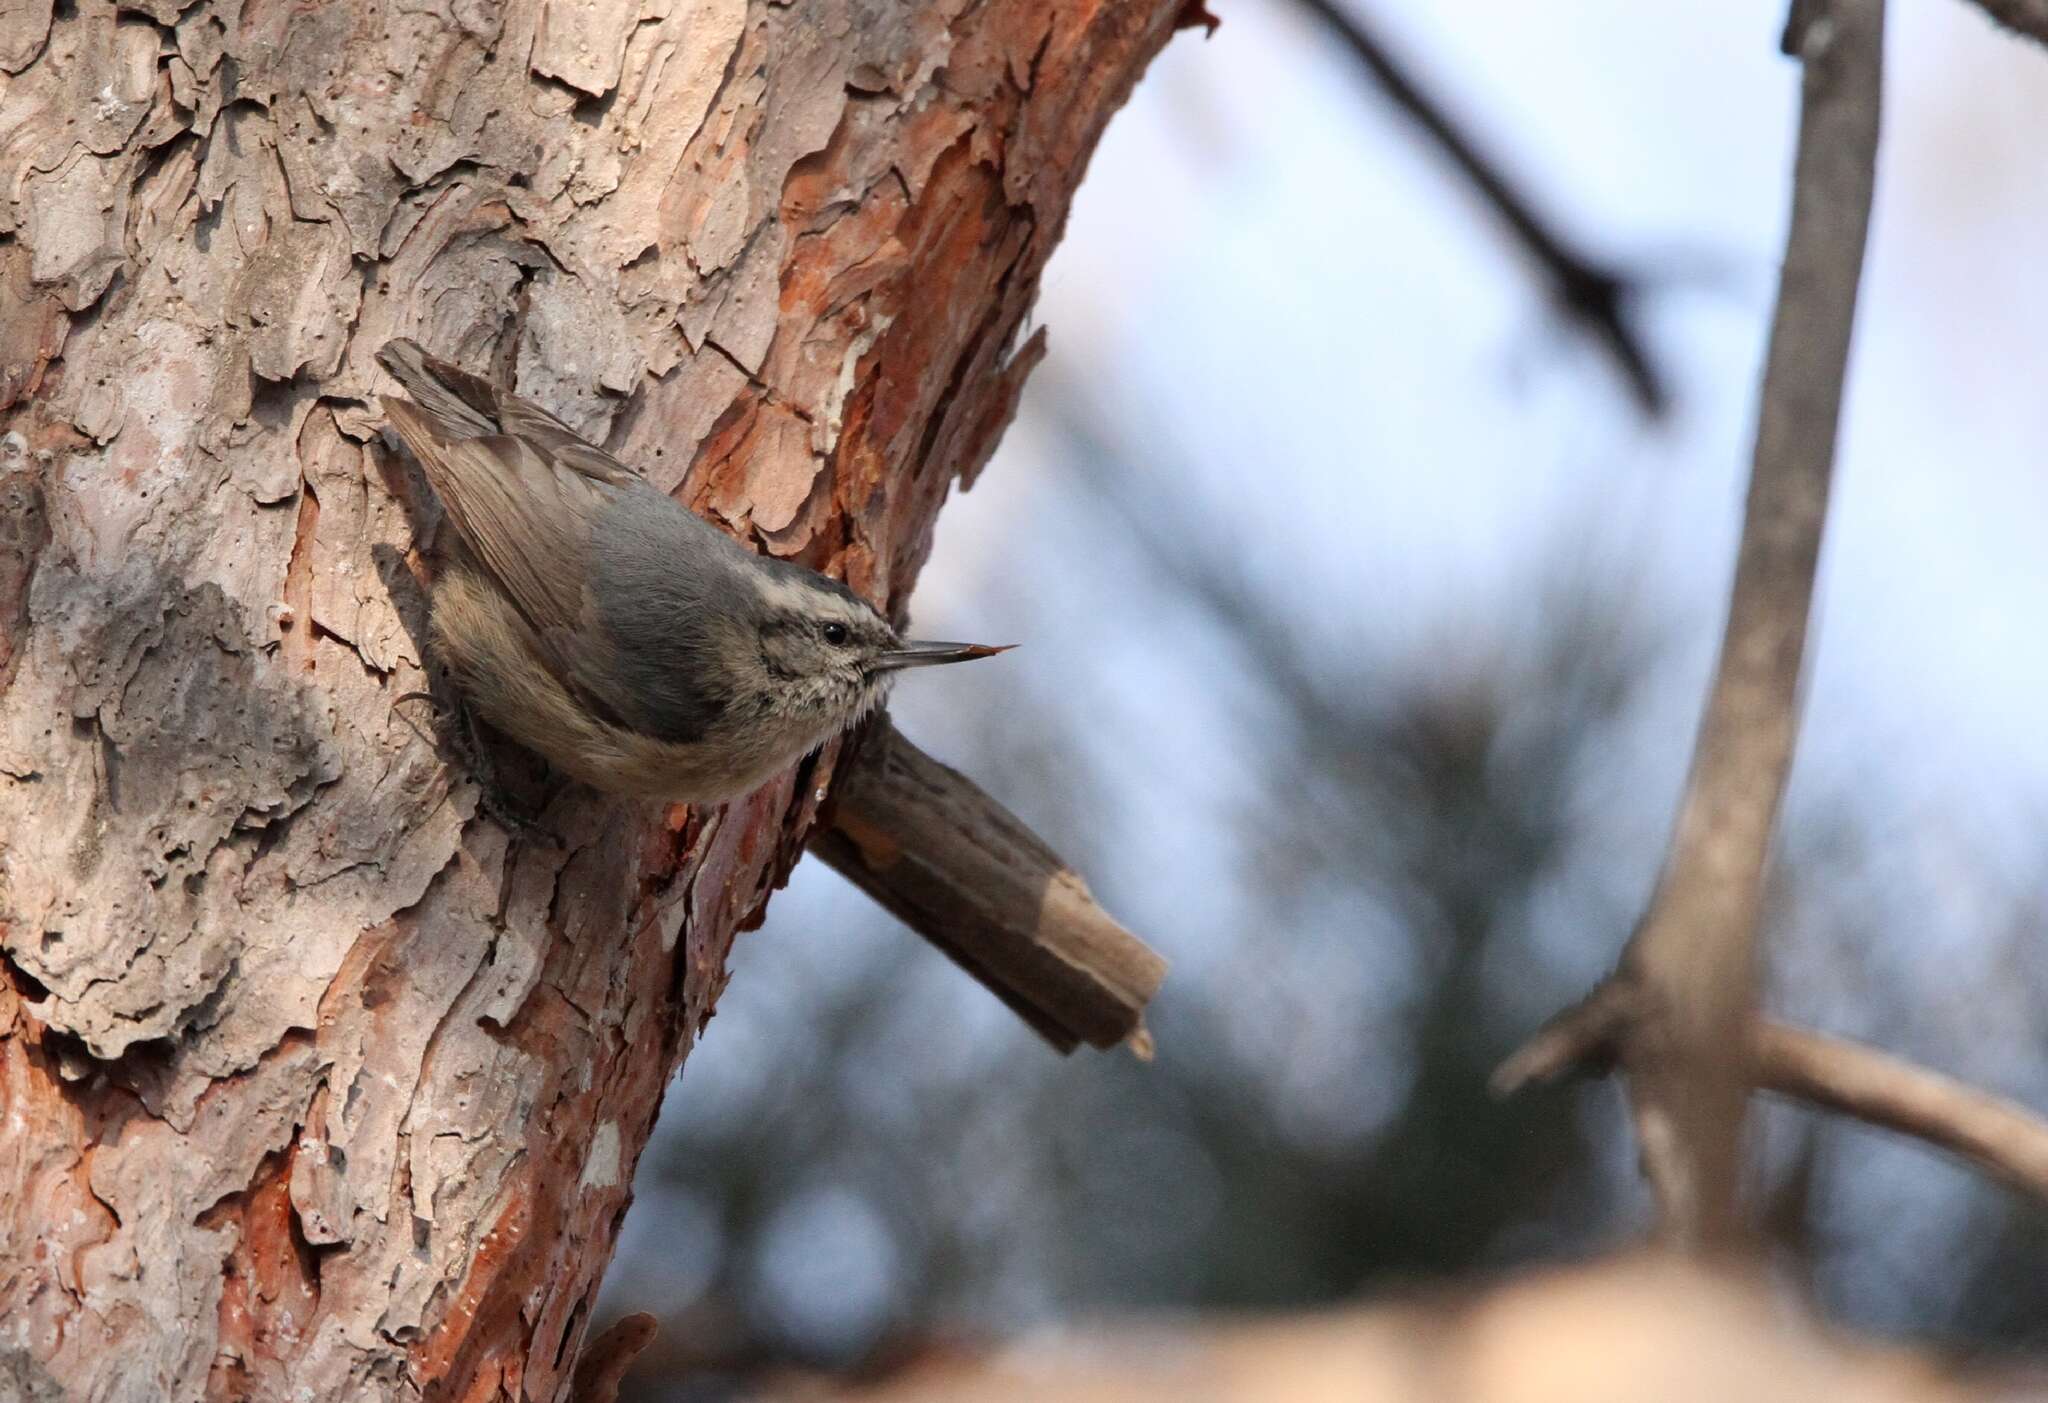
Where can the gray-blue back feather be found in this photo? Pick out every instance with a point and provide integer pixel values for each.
(671, 594)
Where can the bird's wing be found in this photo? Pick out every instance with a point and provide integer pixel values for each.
(527, 497)
(525, 518)
(524, 493)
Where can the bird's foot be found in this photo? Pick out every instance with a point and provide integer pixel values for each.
(492, 796)
(467, 740)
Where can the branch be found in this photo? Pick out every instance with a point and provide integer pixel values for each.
(2028, 17)
(963, 872)
(1690, 967)
(1692, 1333)
(2004, 1139)
(1593, 296)
(608, 1358)
(1581, 1038)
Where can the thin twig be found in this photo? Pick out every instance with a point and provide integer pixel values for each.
(2028, 17)
(1690, 966)
(1595, 297)
(2005, 1140)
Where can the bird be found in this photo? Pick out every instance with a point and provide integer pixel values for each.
(605, 627)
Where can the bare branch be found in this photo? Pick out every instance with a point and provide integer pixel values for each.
(2028, 17)
(963, 872)
(1695, 953)
(1690, 966)
(1596, 297)
(2005, 1140)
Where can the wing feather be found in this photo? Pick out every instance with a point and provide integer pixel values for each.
(526, 522)
(525, 494)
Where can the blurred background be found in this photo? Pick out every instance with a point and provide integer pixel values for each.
(1368, 599)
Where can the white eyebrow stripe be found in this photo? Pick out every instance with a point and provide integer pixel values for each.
(793, 596)
(785, 594)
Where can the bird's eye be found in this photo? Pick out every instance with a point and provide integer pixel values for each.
(836, 634)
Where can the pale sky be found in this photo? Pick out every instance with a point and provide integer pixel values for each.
(1267, 273)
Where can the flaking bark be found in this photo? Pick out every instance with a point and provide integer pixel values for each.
(308, 1075)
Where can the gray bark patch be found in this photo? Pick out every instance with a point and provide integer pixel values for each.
(184, 762)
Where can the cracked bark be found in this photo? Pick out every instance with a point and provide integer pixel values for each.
(308, 1075)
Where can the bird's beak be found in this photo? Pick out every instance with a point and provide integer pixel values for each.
(924, 654)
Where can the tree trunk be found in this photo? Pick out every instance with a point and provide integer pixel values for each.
(313, 1085)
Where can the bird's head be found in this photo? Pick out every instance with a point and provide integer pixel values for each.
(828, 655)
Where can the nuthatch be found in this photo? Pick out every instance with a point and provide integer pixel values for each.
(607, 628)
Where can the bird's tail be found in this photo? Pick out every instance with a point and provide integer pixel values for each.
(460, 404)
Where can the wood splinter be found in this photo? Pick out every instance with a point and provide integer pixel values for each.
(962, 871)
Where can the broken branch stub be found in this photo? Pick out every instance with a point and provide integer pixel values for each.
(965, 873)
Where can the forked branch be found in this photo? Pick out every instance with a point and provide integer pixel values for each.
(2005, 1140)
(1678, 1018)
